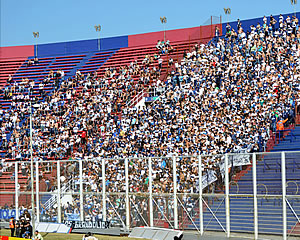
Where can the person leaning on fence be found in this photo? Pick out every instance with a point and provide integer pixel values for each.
(12, 226)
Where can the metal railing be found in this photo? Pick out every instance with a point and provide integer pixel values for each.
(201, 193)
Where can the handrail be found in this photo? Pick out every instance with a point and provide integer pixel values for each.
(135, 99)
(53, 199)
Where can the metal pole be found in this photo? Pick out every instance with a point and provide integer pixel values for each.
(103, 191)
(81, 190)
(200, 194)
(127, 195)
(227, 197)
(164, 32)
(150, 192)
(58, 193)
(175, 194)
(211, 28)
(16, 191)
(283, 179)
(31, 173)
(255, 196)
(221, 30)
(37, 187)
(99, 42)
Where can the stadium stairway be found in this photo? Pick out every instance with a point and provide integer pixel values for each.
(268, 183)
(94, 61)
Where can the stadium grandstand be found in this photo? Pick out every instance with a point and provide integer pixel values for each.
(191, 129)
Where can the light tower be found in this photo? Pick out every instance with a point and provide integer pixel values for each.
(98, 29)
(164, 21)
(36, 35)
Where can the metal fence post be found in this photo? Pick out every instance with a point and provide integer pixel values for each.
(175, 194)
(283, 179)
(150, 193)
(58, 193)
(255, 196)
(37, 189)
(227, 204)
(16, 191)
(200, 194)
(103, 191)
(81, 190)
(127, 195)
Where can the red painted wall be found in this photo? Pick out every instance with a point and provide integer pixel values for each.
(16, 52)
(195, 33)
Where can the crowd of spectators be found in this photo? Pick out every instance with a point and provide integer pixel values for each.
(222, 97)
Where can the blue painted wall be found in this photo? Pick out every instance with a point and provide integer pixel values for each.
(247, 23)
(77, 47)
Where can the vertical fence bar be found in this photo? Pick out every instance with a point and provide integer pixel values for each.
(150, 193)
(175, 194)
(81, 190)
(283, 179)
(127, 195)
(16, 191)
(103, 191)
(227, 206)
(58, 193)
(255, 196)
(200, 195)
(37, 189)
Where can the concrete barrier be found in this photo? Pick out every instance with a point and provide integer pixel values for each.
(156, 233)
(52, 227)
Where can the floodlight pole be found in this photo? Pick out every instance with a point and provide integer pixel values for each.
(164, 21)
(294, 2)
(36, 35)
(227, 12)
(98, 29)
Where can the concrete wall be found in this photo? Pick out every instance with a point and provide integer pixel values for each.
(77, 47)
(186, 34)
(16, 52)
